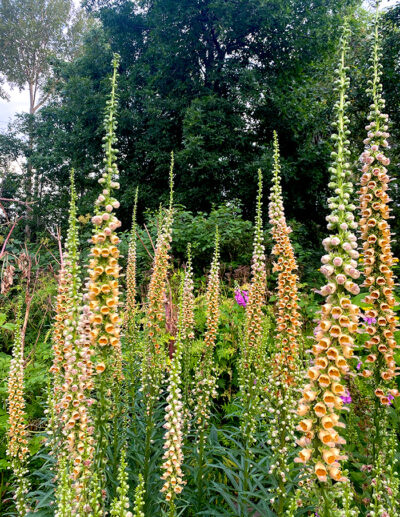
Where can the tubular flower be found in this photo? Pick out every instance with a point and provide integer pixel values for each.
(72, 405)
(186, 329)
(102, 287)
(67, 310)
(205, 380)
(120, 505)
(321, 400)
(130, 309)
(288, 316)
(104, 271)
(251, 360)
(155, 355)
(285, 380)
(173, 456)
(17, 441)
(376, 236)
(67, 298)
(62, 305)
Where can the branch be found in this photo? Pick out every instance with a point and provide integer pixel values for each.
(144, 245)
(150, 239)
(3, 249)
(25, 203)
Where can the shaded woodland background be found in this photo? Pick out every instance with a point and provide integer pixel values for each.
(209, 79)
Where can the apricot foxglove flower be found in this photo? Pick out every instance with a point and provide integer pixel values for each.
(103, 291)
(284, 381)
(288, 315)
(17, 434)
(155, 355)
(376, 238)
(130, 309)
(73, 395)
(321, 400)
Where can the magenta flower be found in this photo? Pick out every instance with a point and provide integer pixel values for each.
(346, 398)
(241, 297)
(369, 321)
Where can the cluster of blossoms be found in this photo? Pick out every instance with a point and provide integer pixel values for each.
(102, 287)
(104, 271)
(62, 306)
(186, 332)
(251, 359)
(130, 308)
(288, 317)
(173, 456)
(176, 414)
(205, 389)
(73, 404)
(284, 382)
(155, 355)
(17, 441)
(376, 236)
(174, 417)
(321, 399)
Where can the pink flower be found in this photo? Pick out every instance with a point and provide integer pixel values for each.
(241, 297)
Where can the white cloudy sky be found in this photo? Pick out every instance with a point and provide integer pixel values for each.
(19, 99)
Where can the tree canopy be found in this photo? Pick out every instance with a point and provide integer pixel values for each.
(210, 80)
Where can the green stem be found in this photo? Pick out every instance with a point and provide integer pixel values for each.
(327, 503)
(117, 414)
(147, 454)
(200, 468)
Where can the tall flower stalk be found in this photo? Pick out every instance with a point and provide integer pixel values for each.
(68, 292)
(284, 380)
(174, 412)
(131, 287)
(72, 405)
(155, 353)
(321, 401)
(205, 377)
(252, 357)
(62, 304)
(103, 285)
(376, 237)
(288, 316)
(17, 435)
(186, 330)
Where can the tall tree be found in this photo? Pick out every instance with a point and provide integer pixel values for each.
(32, 33)
(211, 80)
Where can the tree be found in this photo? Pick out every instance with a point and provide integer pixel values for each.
(32, 34)
(211, 80)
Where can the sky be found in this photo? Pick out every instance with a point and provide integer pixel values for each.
(19, 100)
